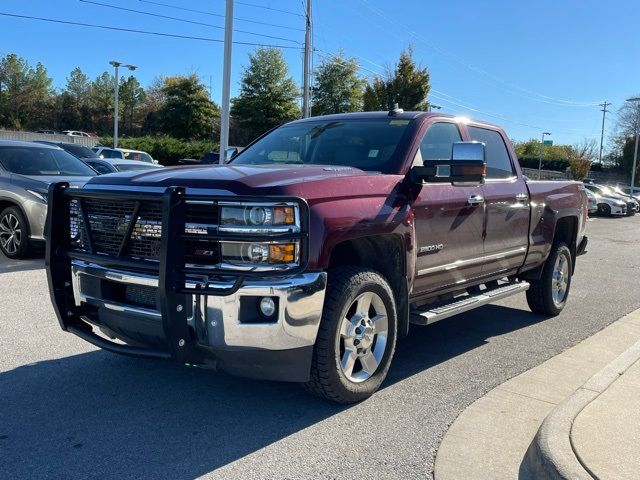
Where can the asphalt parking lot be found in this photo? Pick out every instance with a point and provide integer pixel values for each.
(68, 410)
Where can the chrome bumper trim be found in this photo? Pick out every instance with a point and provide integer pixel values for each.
(215, 318)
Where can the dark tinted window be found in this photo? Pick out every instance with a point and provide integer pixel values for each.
(109, 153)
(101, 168)
(498, 161)
(42, 161)
(365, 144)
(438, 141)
(79, 150)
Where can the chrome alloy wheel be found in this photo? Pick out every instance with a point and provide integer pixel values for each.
(560, 280)
(10, 233)
(363, 337)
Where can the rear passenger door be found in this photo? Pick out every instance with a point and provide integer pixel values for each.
(506, 199)
(448, 221)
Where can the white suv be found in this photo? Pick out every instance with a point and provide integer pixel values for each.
(105, 152)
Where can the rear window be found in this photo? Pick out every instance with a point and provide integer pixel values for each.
(79, 151)
(365, 144)
(109, 153)
(42, 161)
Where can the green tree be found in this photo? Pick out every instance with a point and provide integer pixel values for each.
(101, 99)
(337, 88)
(131, 96)
(187, 112)
(407, 85)
(27, 94)
(72, 105)
(268, 95)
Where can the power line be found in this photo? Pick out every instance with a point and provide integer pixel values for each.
(289, 12)
(193, 22)
(144, 32)
(184, 9)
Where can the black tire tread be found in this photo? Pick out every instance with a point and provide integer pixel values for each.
(538, 297)
(340, 279)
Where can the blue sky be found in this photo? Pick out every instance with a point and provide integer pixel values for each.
(529, 66)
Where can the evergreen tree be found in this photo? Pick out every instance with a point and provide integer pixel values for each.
(268, 94)
(337, 88)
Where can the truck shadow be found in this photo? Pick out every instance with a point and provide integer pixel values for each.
(97, 414)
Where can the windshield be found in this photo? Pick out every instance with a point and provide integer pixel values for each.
(128, 167)
(364, 144)
(42, 161)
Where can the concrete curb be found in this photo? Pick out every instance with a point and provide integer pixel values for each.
(551, 454)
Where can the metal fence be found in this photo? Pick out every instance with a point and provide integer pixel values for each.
(535, 174)
(30, 137)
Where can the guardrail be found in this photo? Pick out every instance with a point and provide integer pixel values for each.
(30, 137)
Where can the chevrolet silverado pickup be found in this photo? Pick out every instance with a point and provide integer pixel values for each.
(307, 256)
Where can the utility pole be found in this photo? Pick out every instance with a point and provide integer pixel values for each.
(306, 106)
(226, 81)
(604, 111)
(541, 155)
(636, 102)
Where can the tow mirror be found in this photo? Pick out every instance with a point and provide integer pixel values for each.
(467, 166)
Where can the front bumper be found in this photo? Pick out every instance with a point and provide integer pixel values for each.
(173, 311)
(228, 330)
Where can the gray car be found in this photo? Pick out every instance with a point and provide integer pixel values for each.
(26, 171)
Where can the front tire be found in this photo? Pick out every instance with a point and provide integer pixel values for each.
(14, 233)
(549, 294)
(604, 210)
(357, 336)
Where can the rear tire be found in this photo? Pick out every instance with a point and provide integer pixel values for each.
(549, 294)
(14, 234)
(357, 336)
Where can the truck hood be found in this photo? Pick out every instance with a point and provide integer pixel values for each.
(306, 181)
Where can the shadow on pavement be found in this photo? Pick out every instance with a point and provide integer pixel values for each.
(98, 414)
(7, 265)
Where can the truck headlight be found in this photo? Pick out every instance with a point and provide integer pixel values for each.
(252, 254)
(259, 217)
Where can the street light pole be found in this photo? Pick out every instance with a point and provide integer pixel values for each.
(226, 81)
(541, 154)
(116, 65)
(635, 100)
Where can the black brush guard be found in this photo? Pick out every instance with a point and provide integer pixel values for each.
(173, 296)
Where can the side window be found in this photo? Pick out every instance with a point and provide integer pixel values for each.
(101, 169)
(437, 142)
(498, 161)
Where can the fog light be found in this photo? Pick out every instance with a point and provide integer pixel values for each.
(267, 306)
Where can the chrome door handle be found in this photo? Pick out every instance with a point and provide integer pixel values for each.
(475, 200)
(522, 197)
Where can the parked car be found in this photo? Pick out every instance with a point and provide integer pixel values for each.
(307, 256)
(106, 152)
(592, 201)
(211, 158)
(26, 170)
(74, 149)
(632, 206)
(137, 155)
(104, 166)
(626, 189)
(624, 192)
(75, 133)
(607, 206)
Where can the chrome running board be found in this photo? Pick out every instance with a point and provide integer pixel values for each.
(431, 315)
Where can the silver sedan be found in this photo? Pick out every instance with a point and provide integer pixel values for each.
(26, 171)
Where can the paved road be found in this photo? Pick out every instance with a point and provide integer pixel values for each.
(68, 410)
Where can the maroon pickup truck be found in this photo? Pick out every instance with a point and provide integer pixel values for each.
(307, 256)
